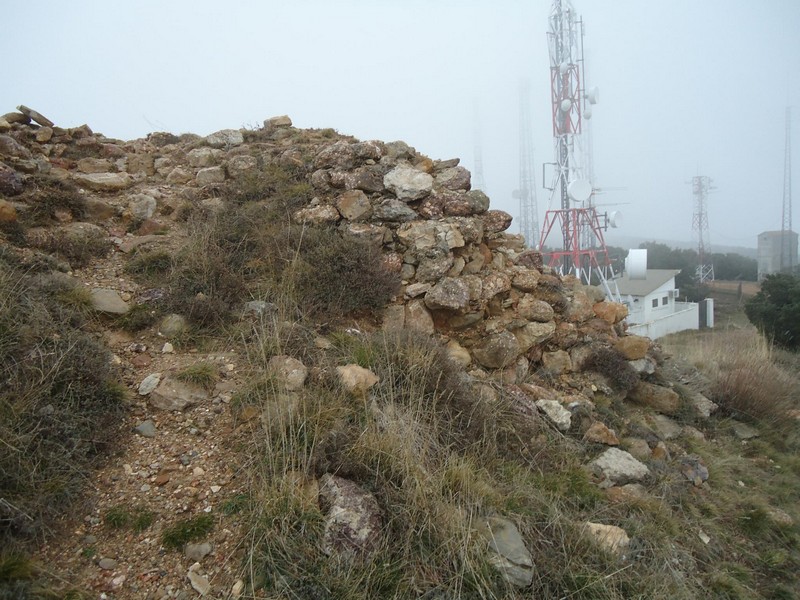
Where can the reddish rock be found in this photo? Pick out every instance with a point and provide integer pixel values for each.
(495, 221)
(599, 433)
(658, 398)
(632, 347)
(610, 312)
(8, 214)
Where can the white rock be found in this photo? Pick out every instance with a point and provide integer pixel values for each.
(620, 467)
(559, 415)
(149, 383)
(199, 582)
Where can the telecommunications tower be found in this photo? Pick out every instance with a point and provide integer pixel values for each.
(701, 185)
(577, 219)
(787, 248)
(526, 193)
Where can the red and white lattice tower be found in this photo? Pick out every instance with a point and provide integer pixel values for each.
(577, 217)
(701, 185)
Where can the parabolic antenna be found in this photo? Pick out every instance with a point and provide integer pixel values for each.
(593, 95)
(615, 219)
(565, 105)
(563, 67)
(587, 112)
(636, 264)
(580, 190)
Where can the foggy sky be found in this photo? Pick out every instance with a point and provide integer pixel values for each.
(687, 87)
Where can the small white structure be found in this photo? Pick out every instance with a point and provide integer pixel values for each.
(653, 307)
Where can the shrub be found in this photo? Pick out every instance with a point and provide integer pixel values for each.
(45, 196)
(149, 265)
(609, 362)
(59, 404)
(201, 374)
(775, 310)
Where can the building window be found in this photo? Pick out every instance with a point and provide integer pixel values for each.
(655, 302)
(665, 301)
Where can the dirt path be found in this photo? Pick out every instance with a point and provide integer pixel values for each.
(190, 467)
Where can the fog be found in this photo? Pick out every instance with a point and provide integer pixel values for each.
(686, 87)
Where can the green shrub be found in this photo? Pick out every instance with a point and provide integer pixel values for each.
(150, 265)
(775, 310)
(204, 375)
(59, 403)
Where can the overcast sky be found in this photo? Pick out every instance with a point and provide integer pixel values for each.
(687, 87)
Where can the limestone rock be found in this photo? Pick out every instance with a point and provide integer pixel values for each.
(418, 318)
(356, 379)
(533, 309)
(495, 221)
(632, 347)
(146, 429)
(317, 215)
(44, 135)
(199, 583)
(408, 183)
(104, 182)
(197, 552)
(559, 415)
(289, 372)
(661, 399)
(599, 433)
(454, 178)
(142, 206)
(36, 116)
(533, 334)
(619, 467)
(172, 394)
(225, 138)
(497, 351)
(241, 164)
(149, 383)
(277, 122)
(393, 211)
(108, 301)
(11, 147)
(703, 407)
(508, 553)
(451, 293)
(666, 428)
(354, 205)
(353, 523)
(557, 362)
(203, 157)
(210, 175)
(610, 312)
(611, 538)
(527, 280)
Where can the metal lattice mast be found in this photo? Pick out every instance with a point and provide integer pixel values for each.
(787, 258)
(528, 208)
(701, 185)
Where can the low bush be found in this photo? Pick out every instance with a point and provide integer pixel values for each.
(610, 363)
(59, 403)
(775, 310)
(181, 533)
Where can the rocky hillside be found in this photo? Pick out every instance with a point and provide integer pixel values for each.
(515, 417)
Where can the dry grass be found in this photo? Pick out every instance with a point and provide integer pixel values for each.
(747, 379)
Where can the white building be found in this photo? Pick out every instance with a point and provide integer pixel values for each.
(653, 307)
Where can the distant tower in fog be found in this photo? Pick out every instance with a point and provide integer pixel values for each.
(526, 193)
(788, 255)
(701, 185)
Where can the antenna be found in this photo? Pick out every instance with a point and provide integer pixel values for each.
(787, 253)
(701, 185)
(528, 208)
(583, 252)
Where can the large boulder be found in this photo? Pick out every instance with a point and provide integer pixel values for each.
(408, 183)
(497, 351)
(225, 138)
(103, 182)
(450, 293)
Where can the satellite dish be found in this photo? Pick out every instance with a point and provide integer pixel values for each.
(565, 105)
(563, 67)
(587, 112)
(593, 95)
(580, 190)
(615, 219)
(636, 264)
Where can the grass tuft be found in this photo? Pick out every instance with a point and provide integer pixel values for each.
(187, 530)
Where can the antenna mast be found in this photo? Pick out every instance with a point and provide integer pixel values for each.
(528, 208)
(701, 185)
(577, 217)
(787, 256)
(477, 181)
